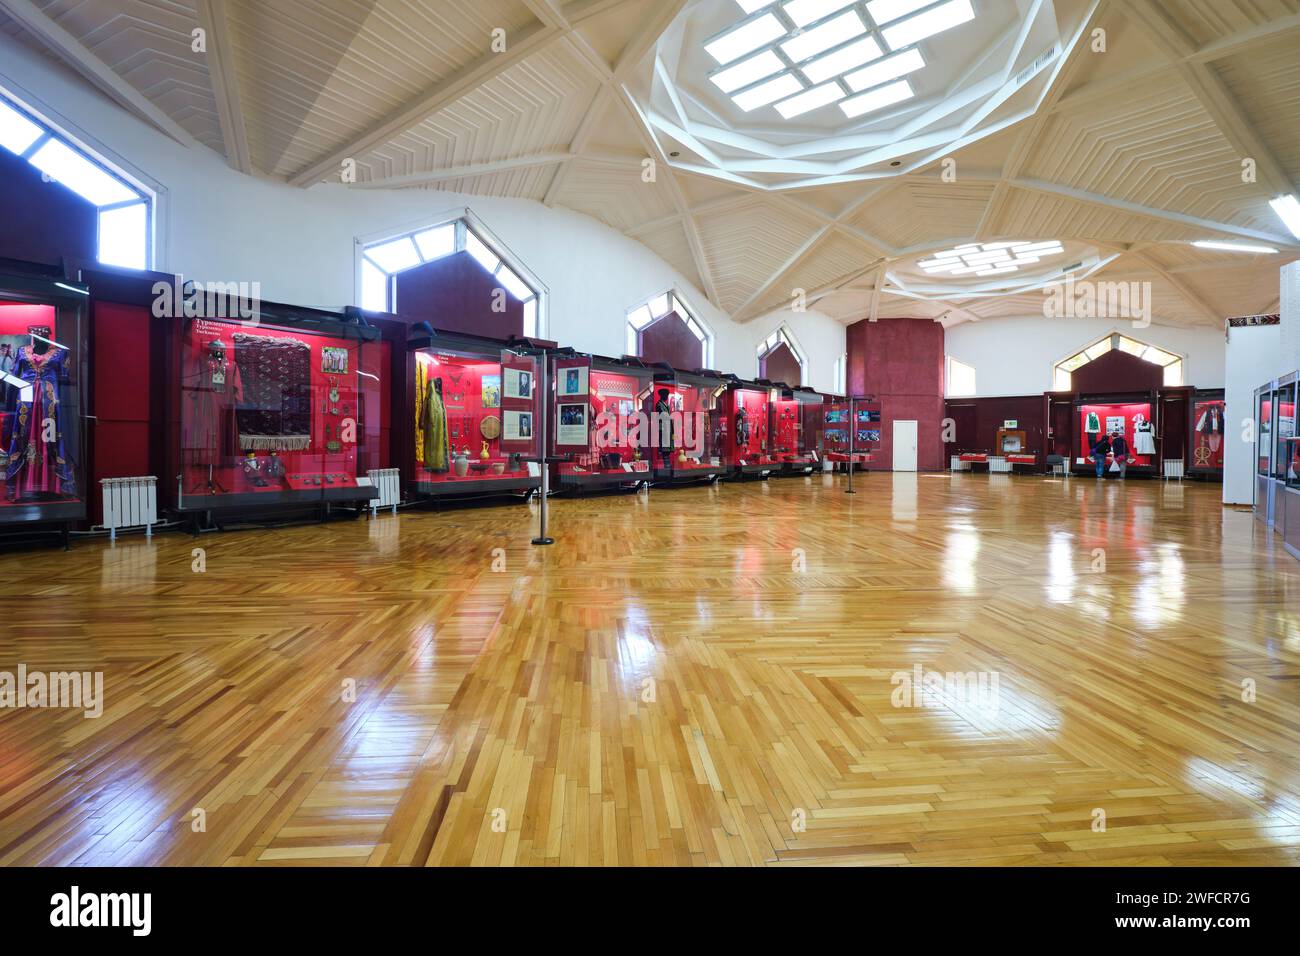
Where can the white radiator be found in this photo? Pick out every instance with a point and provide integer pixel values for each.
(130, 503)
(956, 464)
(999, 465)
(388, 481)
(1173, 468)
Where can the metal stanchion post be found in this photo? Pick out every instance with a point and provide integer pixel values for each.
(853, 434)
(544, 389)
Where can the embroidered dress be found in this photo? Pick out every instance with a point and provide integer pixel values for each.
(274, 411)
(33, 466)
(434, 432)
(210, 396)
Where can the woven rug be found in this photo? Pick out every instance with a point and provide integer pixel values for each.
(274, 412)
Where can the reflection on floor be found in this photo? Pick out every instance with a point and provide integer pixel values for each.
(936, 670)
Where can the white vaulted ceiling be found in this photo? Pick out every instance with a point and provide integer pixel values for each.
(1126, 156)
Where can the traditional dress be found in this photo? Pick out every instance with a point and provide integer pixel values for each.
(34, 461)
(434, 430)
(210, 396)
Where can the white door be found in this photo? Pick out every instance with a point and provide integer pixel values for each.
(904, 445)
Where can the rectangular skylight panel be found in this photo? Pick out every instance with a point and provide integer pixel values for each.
(804, 12)
(745, 39)
(935, 20)
(79, 174)
(785, 85)
(817, 97)
(887, 11)
(750, 6)
(990, 256)
(877, 99)
(891, 68)
(1288, 210)
(747, 71)
(17, 132)
(1040, 249)
(847, 26)
(996, 272)
(842, 60)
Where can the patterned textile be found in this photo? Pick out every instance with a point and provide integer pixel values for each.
(434, 431)
(34, 465)
(274, 412)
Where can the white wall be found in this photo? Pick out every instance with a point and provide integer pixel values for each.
(216, 224)
(1015, 356)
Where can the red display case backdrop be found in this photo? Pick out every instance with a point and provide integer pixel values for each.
(748, 426)
(700, 442)
(1265, 436)
(475, 417)
(267, 410)
(1285, 431)
(1209, 431)
(617, 440)
(1132, 421)
(38, 425)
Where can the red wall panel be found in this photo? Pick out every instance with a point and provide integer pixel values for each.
(669, 340)
(781, 365)
(900, 362)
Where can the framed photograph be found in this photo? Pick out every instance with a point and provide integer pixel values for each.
(491, 391)
(573, 380)
(518, 383)
(517, 426)
(572, 428)
(333, 360)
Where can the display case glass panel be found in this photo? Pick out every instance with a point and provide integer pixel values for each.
(797, 428)
(688, 429)
(747, 423)
(599, 424)
(1209, 429)
(1132, 421)
(1264, 431)
(42, 375)
(275, 411)
(476, 427)
(1284, 431)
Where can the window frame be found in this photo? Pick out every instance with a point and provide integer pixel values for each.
(673, 302)
(1115, 340)
(948, 392)
(782, 335)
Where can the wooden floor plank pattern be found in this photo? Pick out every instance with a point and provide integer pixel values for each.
(667, 685)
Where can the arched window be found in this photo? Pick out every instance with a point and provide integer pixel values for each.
(781, 360)
(841, 374)
(665, 330)
(1062, 372)
(124, 209)
(382, 261)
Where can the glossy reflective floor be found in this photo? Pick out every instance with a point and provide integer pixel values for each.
(706, 676)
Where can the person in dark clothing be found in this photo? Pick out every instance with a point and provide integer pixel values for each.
(1119, 448)
(1099, 453)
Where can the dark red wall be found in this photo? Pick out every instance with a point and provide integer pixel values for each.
(977, 421)
(1117, 371)
(456, 294)
(781, 365)
(900, 362)
(40, 221)
(669, 340)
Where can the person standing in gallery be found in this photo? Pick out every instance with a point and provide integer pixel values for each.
(1099, 452)
(1119, 447)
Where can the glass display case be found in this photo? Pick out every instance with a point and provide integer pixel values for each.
(475, 404)
(1128, 416)
(1284, 430)
(598, 422)
(688, 439)
(279, 409)
(43, 377)
(1265, 396)
(1208, 426)
(850, 426)
(746, 423)
(798, 425)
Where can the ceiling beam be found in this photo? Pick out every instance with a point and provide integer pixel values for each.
(223, 77)
(793, 260)
(78, 56)
(469, 169)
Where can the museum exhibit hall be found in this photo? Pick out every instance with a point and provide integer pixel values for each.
(649, 434)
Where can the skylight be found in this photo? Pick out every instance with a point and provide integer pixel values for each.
(927, 24)
(877, 99)
(769, 92)
(811, 100)
(748, 71)
(888, 69)
(823, 37)
(804, 12)
(840, 61)
(988, 258)
(745, 39)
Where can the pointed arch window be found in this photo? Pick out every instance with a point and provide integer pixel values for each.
(1172, 364)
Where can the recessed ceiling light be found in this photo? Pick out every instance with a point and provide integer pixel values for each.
(1288, 210)
(887, 11)
(839, 61)
(745, 38)
(787, 84)
(748, 71)
(935, 20)
(804, 12)
(1234, 247)
(877, 99)
(817, 97)
(891, 68)
(832, 33)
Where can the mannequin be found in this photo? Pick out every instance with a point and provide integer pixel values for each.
(210, 399)
(35, 463)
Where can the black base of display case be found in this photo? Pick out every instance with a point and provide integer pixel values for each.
(583, 484)
(790, 469)
(217, 511)
(689, 476)
(475, 488)
(756, 472)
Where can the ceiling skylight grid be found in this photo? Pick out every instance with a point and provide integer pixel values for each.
(802, 55)
(988, 258)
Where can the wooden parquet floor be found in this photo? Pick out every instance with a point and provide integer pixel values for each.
(692, 677)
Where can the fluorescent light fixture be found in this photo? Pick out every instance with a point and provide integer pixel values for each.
(804, 12)
(1288, 210)
(842, 60)
(746, 38)
(785, 85)
(900, 64)
(749, 6)
(1234, 247)
(747, 72)
(914, 29)
(877, 99)
(887, 11)
(817, 97)
(832, 33)
(394, 256)
(80, 175)
(17, 132)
